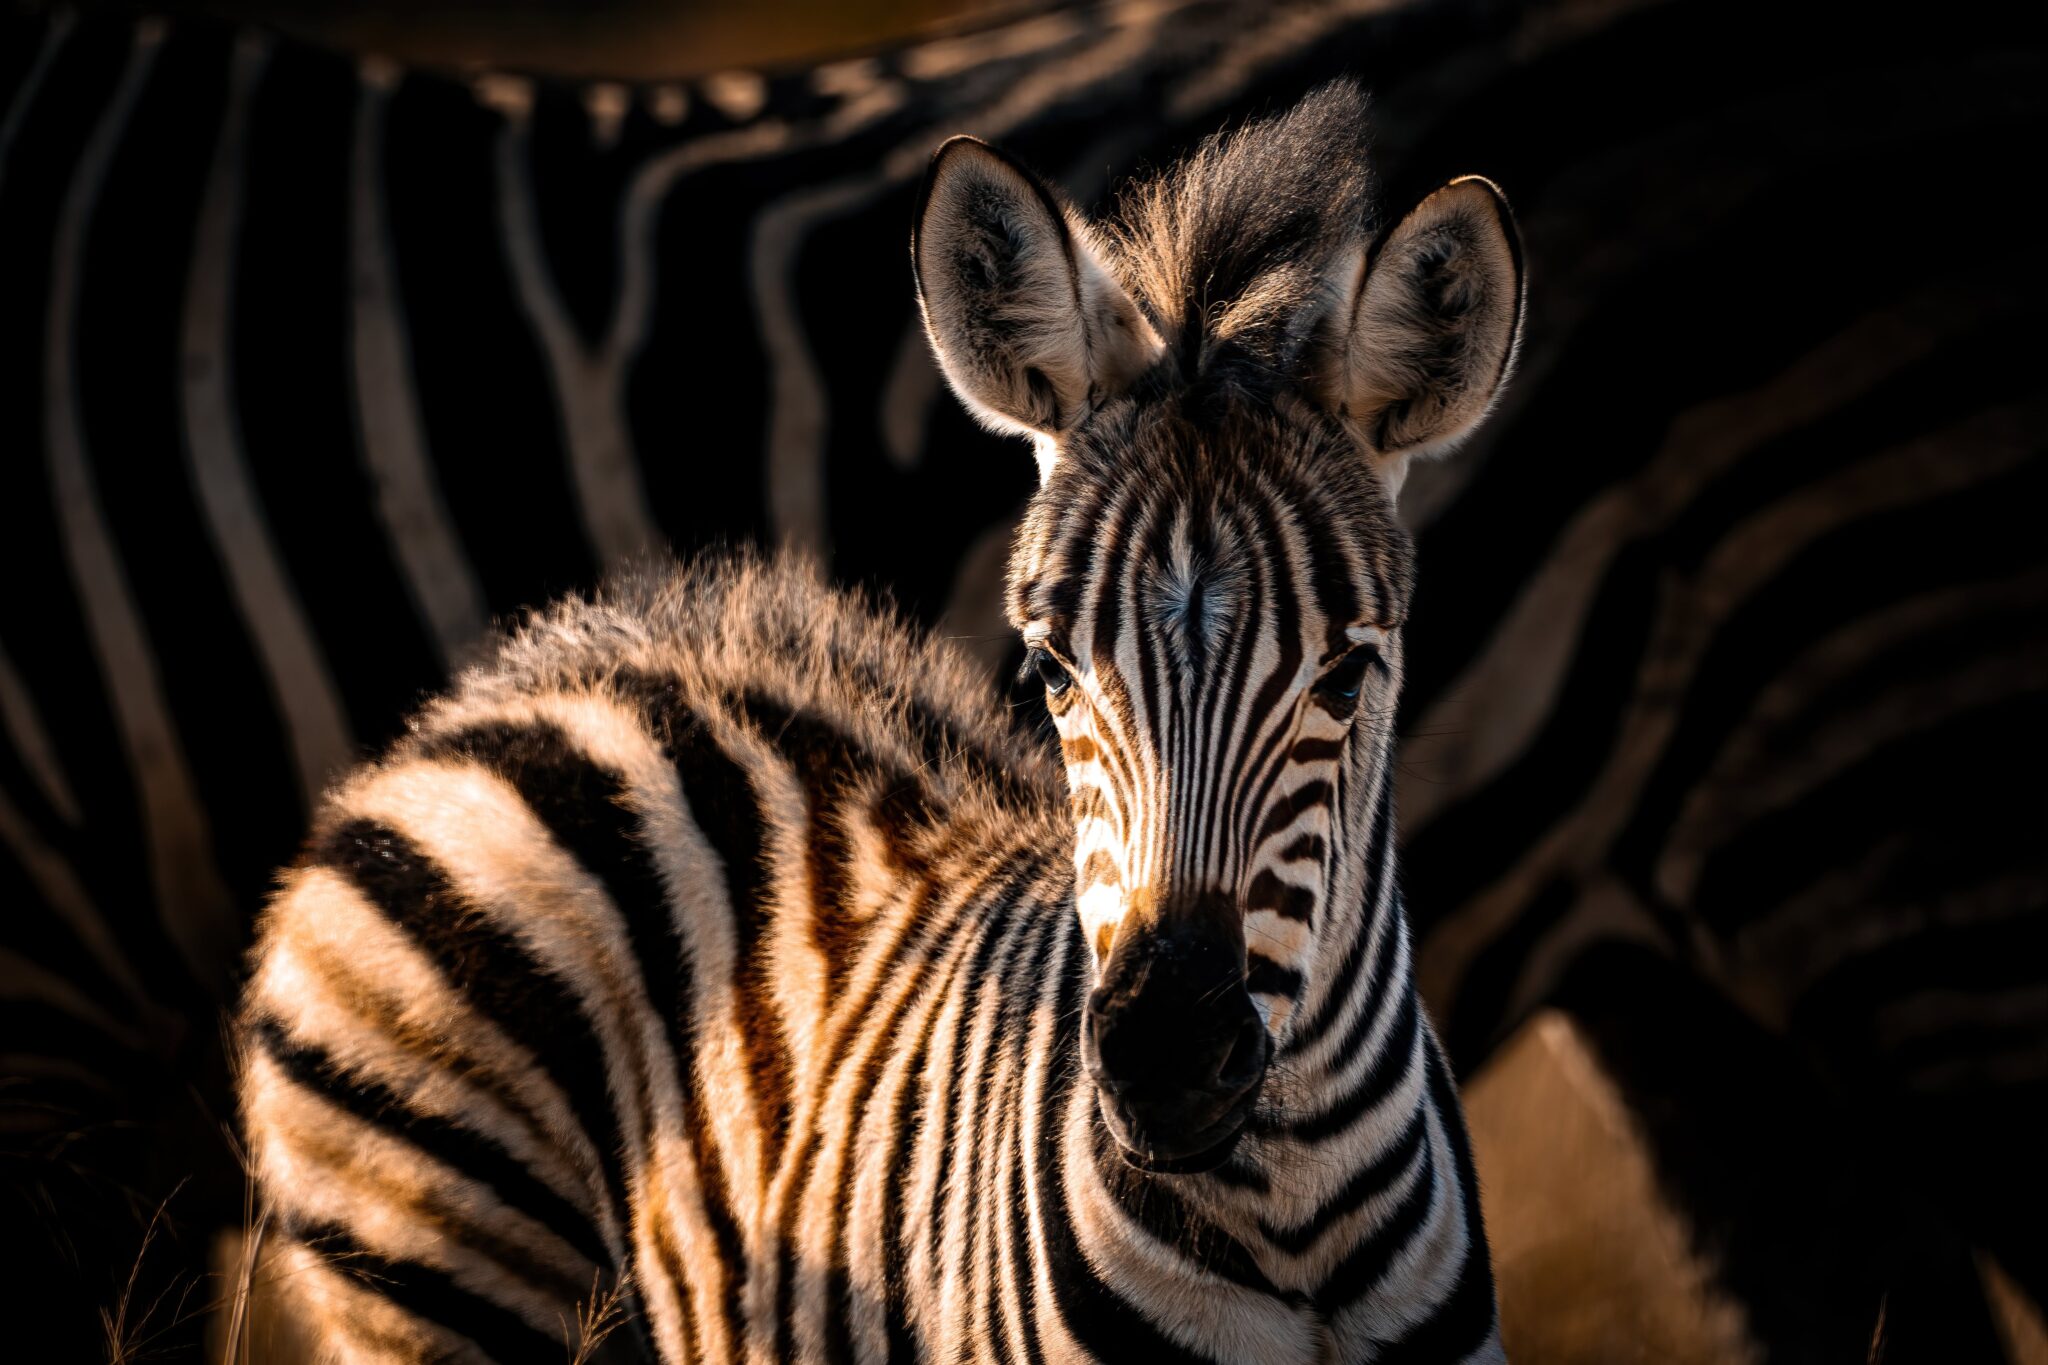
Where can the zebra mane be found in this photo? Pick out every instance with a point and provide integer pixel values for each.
(1230, 251)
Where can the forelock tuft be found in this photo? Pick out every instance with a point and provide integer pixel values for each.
(1231, 251)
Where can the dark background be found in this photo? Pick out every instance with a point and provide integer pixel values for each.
(1724, 711)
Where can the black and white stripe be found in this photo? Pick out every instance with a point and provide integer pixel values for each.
(1688, 370)
(751, 968)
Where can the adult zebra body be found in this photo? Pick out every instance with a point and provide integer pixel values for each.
(1786, 452)
(724, 939)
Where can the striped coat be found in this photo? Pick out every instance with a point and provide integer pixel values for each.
(722, 929)
(1797, 477)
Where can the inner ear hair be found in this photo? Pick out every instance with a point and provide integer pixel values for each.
(1028, 326)
(1434, 324)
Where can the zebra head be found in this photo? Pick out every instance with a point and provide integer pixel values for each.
(1224, 385)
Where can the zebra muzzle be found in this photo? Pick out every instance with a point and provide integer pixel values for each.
(1175, 1047)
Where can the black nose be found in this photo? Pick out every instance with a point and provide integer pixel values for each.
(1175, 1047)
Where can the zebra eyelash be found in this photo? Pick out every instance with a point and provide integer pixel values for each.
(1041, 664)
(1344, 679)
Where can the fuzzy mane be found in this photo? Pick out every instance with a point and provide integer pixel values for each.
(1230, 252)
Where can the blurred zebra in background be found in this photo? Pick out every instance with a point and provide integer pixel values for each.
(319, 364)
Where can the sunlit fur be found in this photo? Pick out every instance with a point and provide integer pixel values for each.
(1198, 573)
(722, 937)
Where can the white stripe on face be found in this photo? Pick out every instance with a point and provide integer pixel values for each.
(1199, 752)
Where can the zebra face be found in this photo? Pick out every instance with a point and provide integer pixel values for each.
(1210, 580)
(1219, 644)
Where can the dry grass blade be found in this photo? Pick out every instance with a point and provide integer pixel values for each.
(235, 1345)
(597, 1317)
(129, 1335)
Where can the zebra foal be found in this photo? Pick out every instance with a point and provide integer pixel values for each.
(722, 939)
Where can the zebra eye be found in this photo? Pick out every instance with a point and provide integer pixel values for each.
(1049, 671)
(1344, 679)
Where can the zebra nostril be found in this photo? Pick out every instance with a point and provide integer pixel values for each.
(1245, 1062)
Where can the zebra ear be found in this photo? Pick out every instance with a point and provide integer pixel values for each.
(1029, 326)
(1433, 325)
